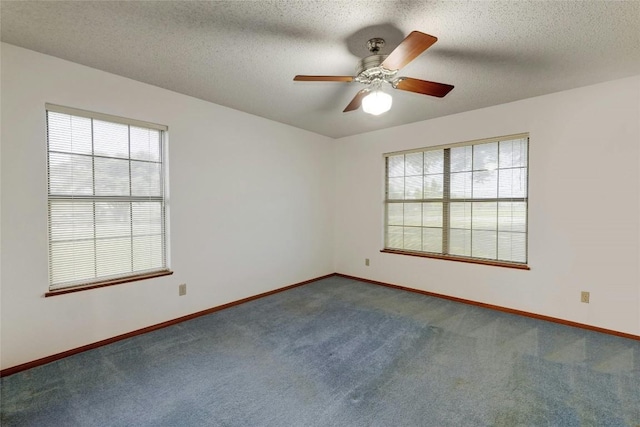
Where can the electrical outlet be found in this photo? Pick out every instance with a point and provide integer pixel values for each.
(182, 289)
(584, 297)
(366, 262)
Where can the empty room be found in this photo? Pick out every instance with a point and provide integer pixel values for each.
(320, 213)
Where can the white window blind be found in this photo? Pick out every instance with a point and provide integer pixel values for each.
(466, 200)
(106, 197)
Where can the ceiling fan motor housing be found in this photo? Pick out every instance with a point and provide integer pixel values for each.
(369, 69)
(371, 61)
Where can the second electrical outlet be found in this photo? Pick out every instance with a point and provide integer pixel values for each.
(584, 297)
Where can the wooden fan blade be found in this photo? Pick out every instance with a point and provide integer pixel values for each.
(356, 101)
(424, 87)
(412, 46)
(323, 79)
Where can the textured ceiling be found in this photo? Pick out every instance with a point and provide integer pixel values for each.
(244, 54)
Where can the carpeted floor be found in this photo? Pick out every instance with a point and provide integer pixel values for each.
(338, 352)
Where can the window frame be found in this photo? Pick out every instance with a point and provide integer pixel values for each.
(447, 200)
(122, 277)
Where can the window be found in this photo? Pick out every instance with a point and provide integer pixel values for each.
(465, 201)
(106, 198)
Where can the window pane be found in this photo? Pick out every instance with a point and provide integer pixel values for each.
(147, 252)
(113, 256)
(146, 179)
(485, 156)
(512, 216)
(485, 216)
(460, 242)
(145, 144)
(432, 214)
(69, 134)
(485, 184)
(413, 214)
(434, 161)
(413, 238)
(433, 186)
(484, 244)
(413, 187)
(413, 164)
(70, 174)
(432, 240)
(461, 158)
(395, 237)
(460, 215)
(461, 185)
(396, 188)
(113, 219)
(395, 166)
(395, 213)
(110, 139)
(111, 177)
(72, 260)
(513, 153)
(513, 182)
(70, 220)
(146, 218)
(512, 247)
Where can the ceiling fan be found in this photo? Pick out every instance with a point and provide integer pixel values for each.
(376, 70)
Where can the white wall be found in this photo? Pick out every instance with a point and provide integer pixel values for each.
(584, 215)
(251, 207)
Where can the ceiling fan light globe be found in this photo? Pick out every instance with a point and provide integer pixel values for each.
(377, 102)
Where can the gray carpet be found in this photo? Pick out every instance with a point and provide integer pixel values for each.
(338, 352)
